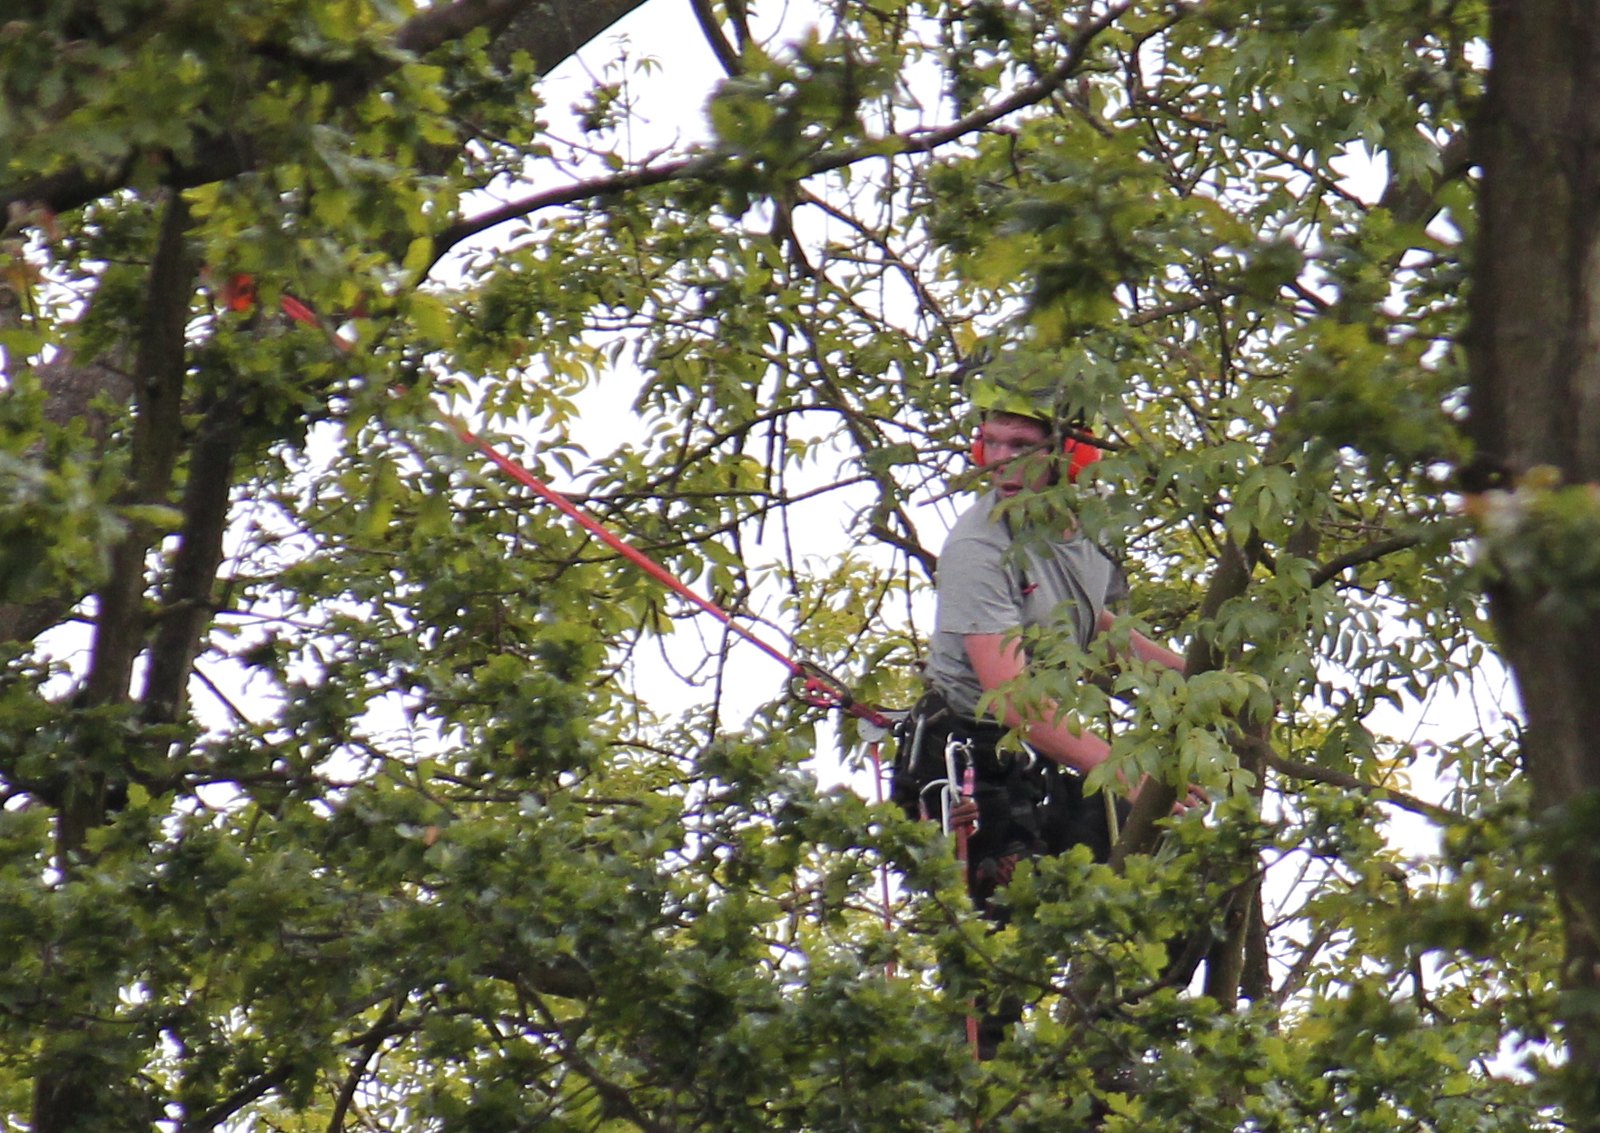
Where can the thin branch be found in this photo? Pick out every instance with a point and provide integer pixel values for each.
(908, 273)
(1296, 769)
(1300, 973)
(1181, 307)
(908, 546)
(614, 1095)
(369, 1048)
(1370, 553)
(234, 1102)
(709, 166)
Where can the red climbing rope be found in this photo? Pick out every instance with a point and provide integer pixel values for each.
(818, 687)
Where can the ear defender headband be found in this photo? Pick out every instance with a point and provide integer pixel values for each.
(1079, 454)
(1027, 383)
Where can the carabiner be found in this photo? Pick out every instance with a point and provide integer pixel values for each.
(958, 777)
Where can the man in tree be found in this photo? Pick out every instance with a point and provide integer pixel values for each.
(1016, 575)
(1017, 571)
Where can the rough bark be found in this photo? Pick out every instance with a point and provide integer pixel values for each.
(158, 380)
(70, 1092)
(1534, 356)
(187, 605)
(1139, 833)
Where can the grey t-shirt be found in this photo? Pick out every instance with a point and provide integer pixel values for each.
(988, 582)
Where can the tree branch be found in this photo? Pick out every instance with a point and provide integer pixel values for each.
(158, 384)
(1369, 553)
(720, 47)
(369, 1047)
(188, 596)
(251, 1091)
(615, 1096)
(709, 166)
(436, 27)
(548, 36)
(1156, 797)
(908, 546)
(549, 33)
(1416, 201)
(578, 193)
(1296, 769)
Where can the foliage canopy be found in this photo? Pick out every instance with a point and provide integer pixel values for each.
(340, 788)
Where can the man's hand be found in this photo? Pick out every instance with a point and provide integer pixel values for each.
(964, 817)
(1194, 797)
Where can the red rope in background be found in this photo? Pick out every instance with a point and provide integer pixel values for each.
(819, 688)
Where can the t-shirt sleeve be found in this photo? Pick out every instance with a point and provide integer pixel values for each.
(1117, 591)
(974, 591)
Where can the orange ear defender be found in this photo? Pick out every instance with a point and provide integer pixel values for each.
(1079, 454)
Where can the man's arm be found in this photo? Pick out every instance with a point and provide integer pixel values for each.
(1142, 647)
(998, 658)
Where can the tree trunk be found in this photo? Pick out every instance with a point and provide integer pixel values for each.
(83, 1069)
(1534, 353)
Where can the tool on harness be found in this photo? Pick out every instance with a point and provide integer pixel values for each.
(955, 748)
(959, 783)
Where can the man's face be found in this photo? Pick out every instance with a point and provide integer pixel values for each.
(1015, 454)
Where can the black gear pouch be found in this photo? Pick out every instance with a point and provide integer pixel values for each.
(1068, 817)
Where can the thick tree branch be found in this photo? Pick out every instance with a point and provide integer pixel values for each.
(593, 189)
(720, 47)
(547, 31)
(1417, 201)
(436, 27)
(254, 1090)
(187, 602)
(1370, 553)
(550, 32)
(1156, 797)
(158, 381)
(1228, 958)
(368, 1049)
